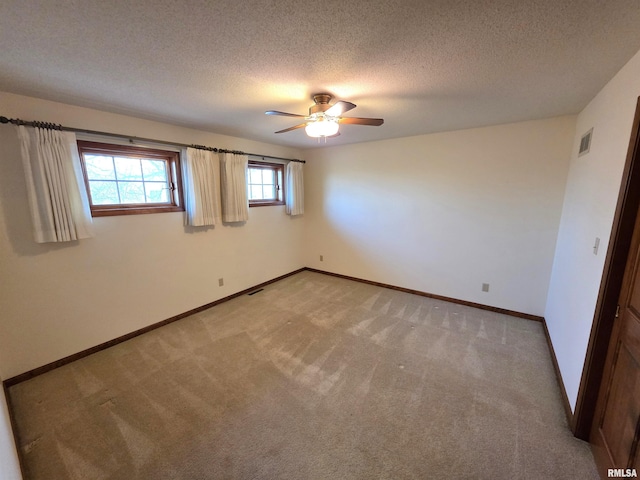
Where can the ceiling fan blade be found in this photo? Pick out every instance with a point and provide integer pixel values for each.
(302, 125)
(339, 108)
(275, 112)
(374, 122)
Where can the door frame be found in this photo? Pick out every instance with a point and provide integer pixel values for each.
(610, 286)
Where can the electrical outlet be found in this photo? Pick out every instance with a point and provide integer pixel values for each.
(322, 258)
(220, 282)
(485, 287)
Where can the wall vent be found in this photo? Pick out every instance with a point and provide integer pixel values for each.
(585, 143)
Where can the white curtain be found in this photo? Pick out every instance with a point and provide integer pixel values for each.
(233, 180)
(57, 193)
(294, 189)
(202, 187)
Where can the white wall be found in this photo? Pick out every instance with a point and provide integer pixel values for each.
(588, 210)
(9, 464)
(444, 213)
(138, 270)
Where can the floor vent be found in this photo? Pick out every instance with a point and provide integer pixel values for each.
(585, 143)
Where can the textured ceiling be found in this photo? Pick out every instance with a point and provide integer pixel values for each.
(424, 66)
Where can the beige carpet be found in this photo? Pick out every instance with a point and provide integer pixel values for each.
(313, 378)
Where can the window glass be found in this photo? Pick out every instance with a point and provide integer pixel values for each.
(104, 193)
(100, 167)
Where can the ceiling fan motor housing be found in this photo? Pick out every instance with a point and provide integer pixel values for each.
(322, 103)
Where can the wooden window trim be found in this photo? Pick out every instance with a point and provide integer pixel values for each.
(278, 167)
(173, 160)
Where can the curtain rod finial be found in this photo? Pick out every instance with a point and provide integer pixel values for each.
(4, 120)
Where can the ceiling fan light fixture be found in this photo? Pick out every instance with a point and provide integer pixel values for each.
(322, 127)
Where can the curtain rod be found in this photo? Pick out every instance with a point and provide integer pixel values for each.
(53, 126)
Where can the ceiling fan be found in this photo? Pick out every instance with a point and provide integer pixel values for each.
(324, 119)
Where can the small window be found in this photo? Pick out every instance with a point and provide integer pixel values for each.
(125, 180)
(265, 184)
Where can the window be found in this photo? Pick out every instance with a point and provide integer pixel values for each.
(125, 180)
(266, 185)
